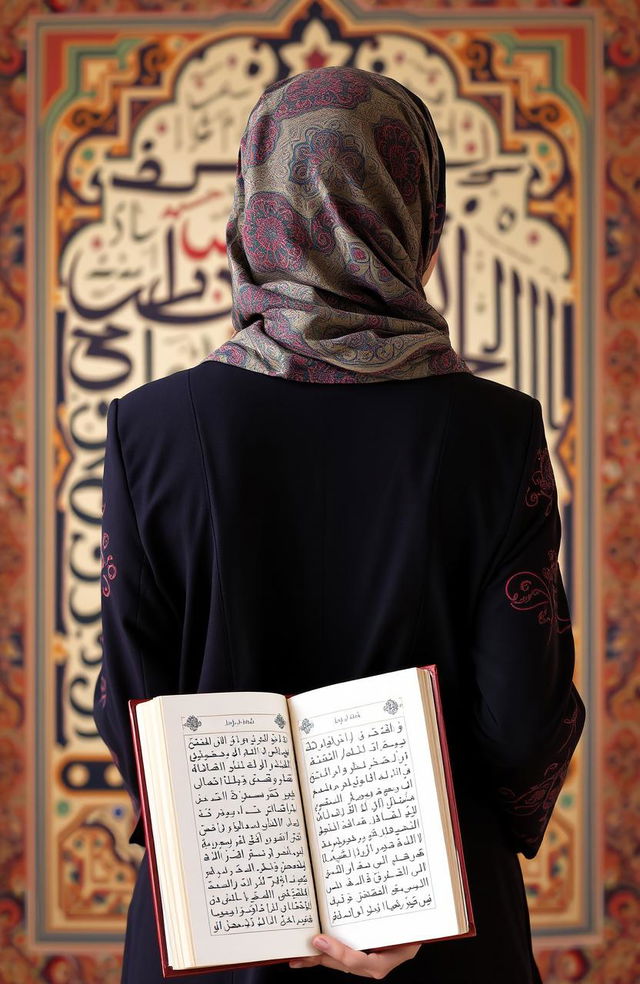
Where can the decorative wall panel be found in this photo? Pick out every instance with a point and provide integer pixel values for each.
(136, 122)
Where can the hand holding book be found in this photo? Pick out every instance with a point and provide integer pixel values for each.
(339, 956)
(270, 819)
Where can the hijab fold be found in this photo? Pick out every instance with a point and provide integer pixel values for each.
(338, 208)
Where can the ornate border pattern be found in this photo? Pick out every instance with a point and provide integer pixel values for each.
(615, 957)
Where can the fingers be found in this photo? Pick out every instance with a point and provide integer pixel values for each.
(339, 956)
(336, 955)
(380, 964)
(340, 953)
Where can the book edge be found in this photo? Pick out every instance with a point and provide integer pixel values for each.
(149, 841)
(168, 971)
(432, 670)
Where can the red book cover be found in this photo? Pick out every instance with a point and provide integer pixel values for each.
(432, 670)
(167, 970)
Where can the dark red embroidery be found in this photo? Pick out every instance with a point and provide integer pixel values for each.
(538, 799)
(107, 566)
(102, 699)
(539, 796)
(527, 590)
(542, 483)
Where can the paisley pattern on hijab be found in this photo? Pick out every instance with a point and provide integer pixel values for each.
(338, 207)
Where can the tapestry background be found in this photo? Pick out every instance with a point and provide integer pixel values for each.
(614, 958)
(134, 130)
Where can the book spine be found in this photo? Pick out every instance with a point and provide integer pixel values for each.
(432, 670)
(167, 970)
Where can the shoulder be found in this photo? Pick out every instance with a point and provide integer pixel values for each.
(491, 429)
(483, 407)
(491, 397)
(155, 421)
(160, 397)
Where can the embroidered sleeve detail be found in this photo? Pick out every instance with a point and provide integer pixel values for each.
(537, 800)
(102, 696)
(542, 485)
(527, 591)
(108, 567)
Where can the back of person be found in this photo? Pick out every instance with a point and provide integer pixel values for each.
(307, 534)
(332, 494)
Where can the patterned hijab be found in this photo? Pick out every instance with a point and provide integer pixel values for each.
(338, 208)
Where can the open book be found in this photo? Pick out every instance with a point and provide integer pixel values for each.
(270, 819)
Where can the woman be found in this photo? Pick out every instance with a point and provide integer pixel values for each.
(267, 529)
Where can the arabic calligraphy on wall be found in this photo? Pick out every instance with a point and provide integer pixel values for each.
(135, 158)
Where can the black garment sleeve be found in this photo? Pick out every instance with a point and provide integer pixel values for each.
(528, 715)
(136, 629)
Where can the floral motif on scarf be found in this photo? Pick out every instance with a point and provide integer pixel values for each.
(338, 208)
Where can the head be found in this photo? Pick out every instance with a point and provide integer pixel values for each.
(340, 175)
(336, 219)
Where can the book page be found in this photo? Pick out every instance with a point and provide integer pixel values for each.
(376, 837)
(243, 841)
